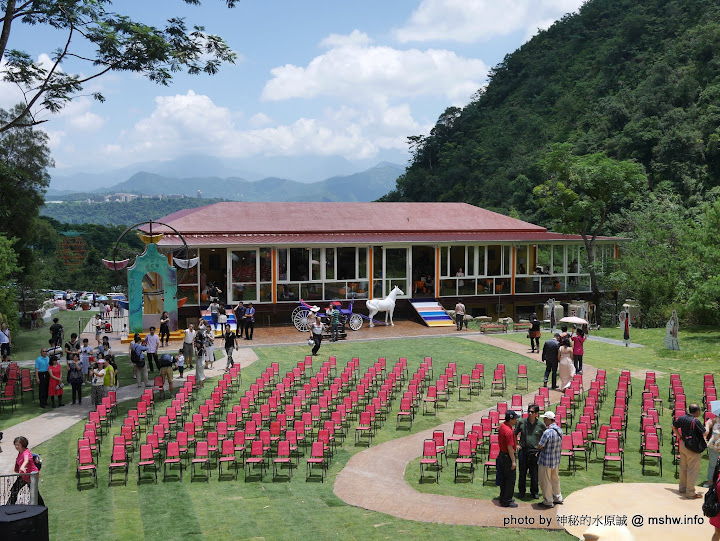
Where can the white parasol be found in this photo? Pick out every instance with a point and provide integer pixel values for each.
(574, 320)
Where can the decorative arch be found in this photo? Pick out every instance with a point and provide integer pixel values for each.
(151, 261)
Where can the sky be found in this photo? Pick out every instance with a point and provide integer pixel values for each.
(314, 78)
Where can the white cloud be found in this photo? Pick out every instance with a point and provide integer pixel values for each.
(259, 120)
(355, 70)
(192, 123)
(470, 21)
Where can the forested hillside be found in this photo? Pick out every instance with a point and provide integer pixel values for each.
(637, 80)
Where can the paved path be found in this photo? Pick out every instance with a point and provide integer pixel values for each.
(43, 427)
(374, 479)
(612, 341)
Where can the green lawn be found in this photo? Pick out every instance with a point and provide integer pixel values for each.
(697, 357)
(281, 510)
(28, 343)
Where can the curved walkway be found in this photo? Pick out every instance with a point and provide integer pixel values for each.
(374, 479)
(48, 425)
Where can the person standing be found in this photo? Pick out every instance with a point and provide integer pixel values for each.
(75, 378)
(550, 446)
(97, 391)
(5, 341)
(712, 435)
(506, 465)
(534, 333)
(72, 347)
(166, 371)
(137, 356)
(231, 345)
(550, 358)
(42, 376)
(55, 387)
(578, 340)
(164, 328)
(249, 321)
(566, 368)
(188, 345)
(98, 324)
(152, 341)
(200, 358)
(316, 335)
(24, 463)
(214, 314)
(86, 352)
(530, 430)
(109, 379)
(180, 362)
(210, 350)
(56, 332)
(334, 317)
(239, 312)
(33, 320)
(222, 317)
(459, 314)
(689, 431)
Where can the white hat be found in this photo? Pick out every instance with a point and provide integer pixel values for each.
(315, 309)
(549, 415)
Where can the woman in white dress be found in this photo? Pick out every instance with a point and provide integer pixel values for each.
(566, 367)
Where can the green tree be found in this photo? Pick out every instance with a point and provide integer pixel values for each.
(8, 267)
(582, 192)
(703, 270)
(107, 41)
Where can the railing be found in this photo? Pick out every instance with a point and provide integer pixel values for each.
(27, 495)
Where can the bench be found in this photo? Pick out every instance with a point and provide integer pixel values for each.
(495, 327)
(522, 326)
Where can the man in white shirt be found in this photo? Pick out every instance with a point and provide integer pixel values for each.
(152, 342)
(459, 314)
(188, 348)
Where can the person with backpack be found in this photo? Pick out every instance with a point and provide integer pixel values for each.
(689, 431)
(137, 357)
(711, 506)
(24, 463)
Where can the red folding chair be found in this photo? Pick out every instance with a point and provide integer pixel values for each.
(172, 457)
(429, 459)
(118, 461)
(465, 458)
(228, 456)
(147, 460)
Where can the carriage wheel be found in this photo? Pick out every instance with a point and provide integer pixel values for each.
(300, 319)
(356, 322)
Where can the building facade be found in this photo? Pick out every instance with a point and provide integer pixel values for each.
(274, 254)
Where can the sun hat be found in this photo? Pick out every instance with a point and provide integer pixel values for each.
(315, 309)
(548, 415)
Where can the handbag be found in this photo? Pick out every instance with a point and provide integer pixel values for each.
(711, 506)
(59, 386)
(310, 342)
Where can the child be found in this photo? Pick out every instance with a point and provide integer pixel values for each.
(181, 362)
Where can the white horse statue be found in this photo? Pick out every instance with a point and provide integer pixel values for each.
(386, 305)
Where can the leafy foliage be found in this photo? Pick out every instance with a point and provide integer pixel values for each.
(106, 41)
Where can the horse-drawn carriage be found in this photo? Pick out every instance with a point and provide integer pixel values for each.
(300, 315)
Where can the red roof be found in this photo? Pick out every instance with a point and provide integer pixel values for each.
(370, 218)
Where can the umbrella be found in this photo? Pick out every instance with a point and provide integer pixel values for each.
(101, 298)
(574, 320)
(715, 407)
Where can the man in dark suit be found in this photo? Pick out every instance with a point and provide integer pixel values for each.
(550, 358)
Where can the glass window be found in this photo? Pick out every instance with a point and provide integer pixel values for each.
(299, 264)
(346, 264)
(377, 261)
(282, 255)
(494, 258)
(521, 260)
(191, 274)
(288, 292)
(396, 262)
(311, 292)
(507, 259)
(315, 264)
(575, 259)
(457, 260)
(362, 263)
(558, 260)
(265, 265)
(544, 256)
(470, 271)
(329, 263)
(444, 261)
(244, 267)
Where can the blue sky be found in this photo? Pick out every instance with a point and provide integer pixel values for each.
(314, 78)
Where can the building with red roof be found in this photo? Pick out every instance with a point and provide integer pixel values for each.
(274, 254)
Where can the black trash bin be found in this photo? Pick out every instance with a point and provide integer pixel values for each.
(24, 522)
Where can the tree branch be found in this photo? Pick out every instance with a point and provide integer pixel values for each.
(7, 23)
(43, 88)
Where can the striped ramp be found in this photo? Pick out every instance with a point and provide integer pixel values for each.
(432, 313)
